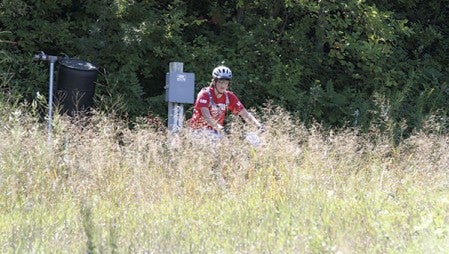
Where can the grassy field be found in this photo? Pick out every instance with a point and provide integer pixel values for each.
(100, 187)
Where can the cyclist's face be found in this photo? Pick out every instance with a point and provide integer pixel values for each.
(221, 85)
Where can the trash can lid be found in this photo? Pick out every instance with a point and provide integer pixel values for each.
(78, 64)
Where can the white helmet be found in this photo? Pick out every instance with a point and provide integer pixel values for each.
(222, 72)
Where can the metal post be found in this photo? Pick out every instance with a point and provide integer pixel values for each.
(175, 117)
(180, 115)
(175, 110)
(52, 59)
(171, 116)
(50, 99)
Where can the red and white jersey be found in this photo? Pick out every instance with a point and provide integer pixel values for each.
(217, 107)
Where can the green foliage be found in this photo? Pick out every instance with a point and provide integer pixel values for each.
(325, 61)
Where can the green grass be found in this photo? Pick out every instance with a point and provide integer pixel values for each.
(100, 187)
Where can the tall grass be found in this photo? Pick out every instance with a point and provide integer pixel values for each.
(99, 186)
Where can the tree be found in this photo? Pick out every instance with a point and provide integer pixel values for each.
(326, 61)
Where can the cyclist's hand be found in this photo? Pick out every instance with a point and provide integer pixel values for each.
(219, 129)
(226, 130)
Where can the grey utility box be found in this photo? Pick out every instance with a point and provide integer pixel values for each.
(180, 87)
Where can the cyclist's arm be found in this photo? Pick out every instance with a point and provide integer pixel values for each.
(210, 121)
(249, 118)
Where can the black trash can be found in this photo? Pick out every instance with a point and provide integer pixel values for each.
(75, 86)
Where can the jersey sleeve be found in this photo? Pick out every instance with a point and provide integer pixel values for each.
(202, 100)
(235, 105)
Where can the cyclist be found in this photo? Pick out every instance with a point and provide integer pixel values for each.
(209, 113)
(212, 103)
